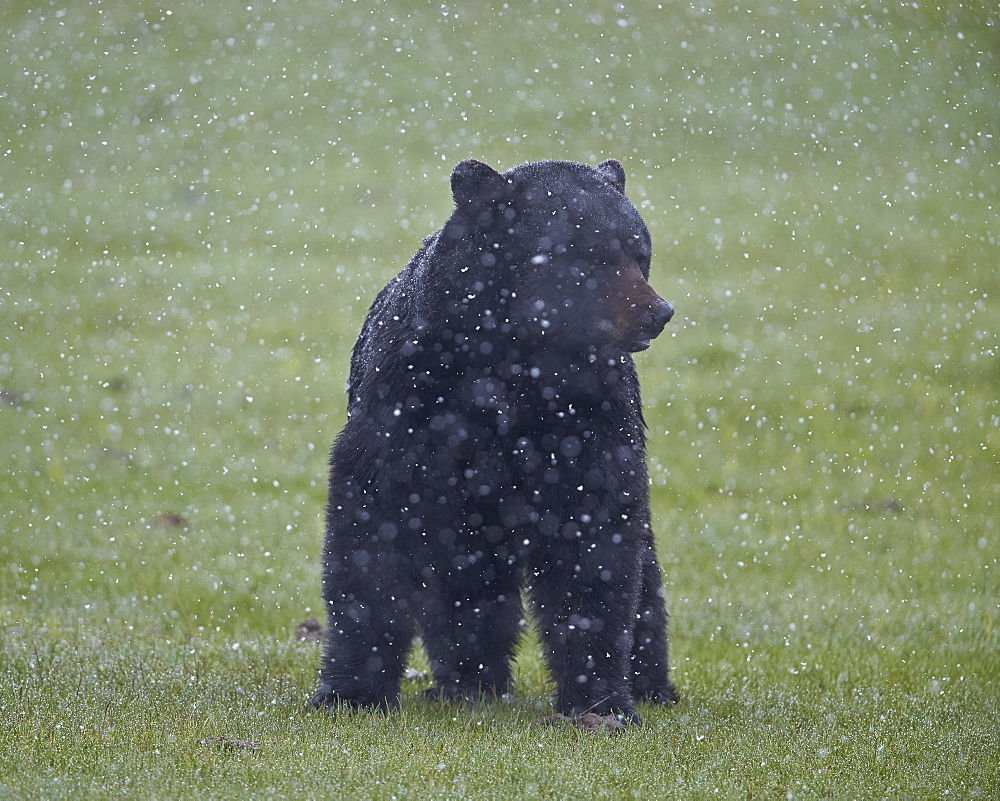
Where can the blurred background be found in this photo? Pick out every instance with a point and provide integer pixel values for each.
(198, 202)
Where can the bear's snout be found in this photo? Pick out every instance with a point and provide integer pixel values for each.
(651, 323)
(658, 315)
(639, 315)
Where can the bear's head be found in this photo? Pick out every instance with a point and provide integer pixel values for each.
(562, 254)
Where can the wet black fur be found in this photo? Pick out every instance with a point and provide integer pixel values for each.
(495, 444)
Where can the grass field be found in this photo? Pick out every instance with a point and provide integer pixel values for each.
(197, 206)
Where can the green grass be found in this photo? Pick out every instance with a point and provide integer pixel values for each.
(196, 208)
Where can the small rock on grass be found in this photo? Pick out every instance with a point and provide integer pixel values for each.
(10, 398)
(588, 721)
(309, 630)
(231, 743)
(172, 520)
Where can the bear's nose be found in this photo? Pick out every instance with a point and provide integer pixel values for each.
(662, 312)
(657, 315)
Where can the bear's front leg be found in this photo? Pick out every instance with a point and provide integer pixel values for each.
(586, 601)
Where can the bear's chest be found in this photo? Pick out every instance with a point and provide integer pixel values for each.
(557, 428)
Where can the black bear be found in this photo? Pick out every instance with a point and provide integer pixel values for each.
(494, 444)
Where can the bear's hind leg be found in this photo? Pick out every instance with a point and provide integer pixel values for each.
(649, 667)
(469, 630)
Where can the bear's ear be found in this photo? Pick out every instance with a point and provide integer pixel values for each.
(472, 180)
(613, 170)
